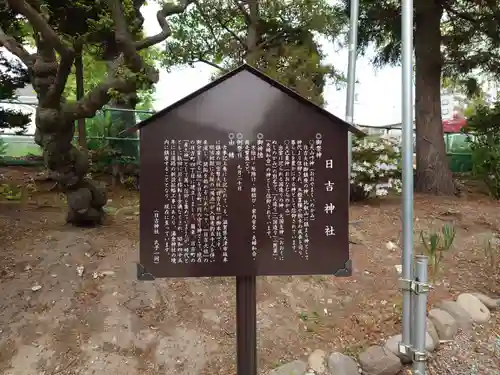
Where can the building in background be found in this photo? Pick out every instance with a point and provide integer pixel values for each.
(453, 104)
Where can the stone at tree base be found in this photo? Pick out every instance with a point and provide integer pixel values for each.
(296, 367)
(341, 364)
(88, 217)
(474, 307)
(431, 330)
(462, 317)
(392, 344)
(99, 198)
(490, 303)
(79, 199)
(317, 361)
(377, 360)
(446, 325)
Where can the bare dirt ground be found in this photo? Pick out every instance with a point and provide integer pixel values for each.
(54, 319)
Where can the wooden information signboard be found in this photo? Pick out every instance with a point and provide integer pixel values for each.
(244, 178)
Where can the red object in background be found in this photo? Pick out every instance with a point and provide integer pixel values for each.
(454, 125)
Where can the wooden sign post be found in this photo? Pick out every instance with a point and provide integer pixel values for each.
(244, 178)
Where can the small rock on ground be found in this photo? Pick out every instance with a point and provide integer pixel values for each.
(376, 360)
(490, 303)
(393, 342)
(462, 317)
(296, 367)
(341, 364)
(317, 361)
(432, 331)
(446, 325)
(474, 307)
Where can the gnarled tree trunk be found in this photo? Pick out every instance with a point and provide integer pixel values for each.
(121, 120)
(54, 133)
(433, 173)
(55, 119)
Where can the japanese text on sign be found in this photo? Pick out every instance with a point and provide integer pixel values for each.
(195, 211)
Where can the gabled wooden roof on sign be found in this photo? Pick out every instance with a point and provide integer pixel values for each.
(245, 67)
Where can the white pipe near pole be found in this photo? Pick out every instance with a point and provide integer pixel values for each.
(407, 143)
(351, 76)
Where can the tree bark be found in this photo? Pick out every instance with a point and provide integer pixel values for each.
(433, 173)
(252, 31)
(67, 165)
(80, 92)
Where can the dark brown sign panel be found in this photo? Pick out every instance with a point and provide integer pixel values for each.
(241, 180)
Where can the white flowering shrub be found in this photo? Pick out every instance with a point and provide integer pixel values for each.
(376, 168)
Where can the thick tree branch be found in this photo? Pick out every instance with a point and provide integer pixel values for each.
(117, 80)
(39, 24)
(242, 9)
(123, 38)
(63, 72)
(168, 9)
(213, 65)
(97, 98)
(48, 34)
(16, 48)
(252, 33)
(274, 38)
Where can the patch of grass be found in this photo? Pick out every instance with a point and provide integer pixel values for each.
(311, 320)
(435, 244)
(10, 193)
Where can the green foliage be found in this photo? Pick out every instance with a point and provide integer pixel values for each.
(375, 168)
(10, 193)
(215, 33)
(483, 129)
(3, 147)
(104, 157)
(470, 41)
(435, 244)
(103, 152)
(91, 19)
(98, 128)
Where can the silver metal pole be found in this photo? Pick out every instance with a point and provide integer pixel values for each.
(351, 77)
(420, 315)
(407, 198)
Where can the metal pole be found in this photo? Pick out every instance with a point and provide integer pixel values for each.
(351, 77)
(407, 197)
(420, 317)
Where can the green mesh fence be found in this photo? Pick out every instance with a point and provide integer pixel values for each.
(458, 152)
(104, 130)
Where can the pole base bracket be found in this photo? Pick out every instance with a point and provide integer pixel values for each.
(410, 353)
(419, 356)
(415, 287)
(405, 350)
